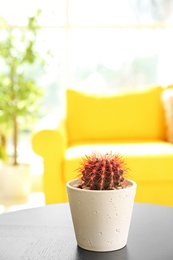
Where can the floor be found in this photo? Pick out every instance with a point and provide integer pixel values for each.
(35, 199)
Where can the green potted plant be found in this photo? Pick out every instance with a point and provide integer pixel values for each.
(3, 152)
(101, 201)
(20, 94)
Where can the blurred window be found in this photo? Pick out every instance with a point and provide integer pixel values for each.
(97, 45)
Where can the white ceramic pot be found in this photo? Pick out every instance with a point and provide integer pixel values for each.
(101, 219)
(15, 182)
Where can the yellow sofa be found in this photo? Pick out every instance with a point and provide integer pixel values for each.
(131, 124)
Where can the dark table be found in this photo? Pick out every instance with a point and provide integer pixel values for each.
(47, 233)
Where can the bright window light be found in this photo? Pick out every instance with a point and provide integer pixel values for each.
(97, 44)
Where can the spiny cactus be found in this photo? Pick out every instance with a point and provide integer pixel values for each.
(102, 172)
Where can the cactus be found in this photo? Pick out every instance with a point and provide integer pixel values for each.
(102, 172)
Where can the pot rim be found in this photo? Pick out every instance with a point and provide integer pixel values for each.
(70, 184)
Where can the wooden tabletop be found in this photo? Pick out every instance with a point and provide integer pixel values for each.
(47, 233)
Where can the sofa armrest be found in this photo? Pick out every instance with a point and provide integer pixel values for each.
(50, 135)
(49, 140)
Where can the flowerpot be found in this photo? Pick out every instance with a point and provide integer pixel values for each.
(15, 182)
(101, 219)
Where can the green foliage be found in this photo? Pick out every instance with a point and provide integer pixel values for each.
(20, 94)
(3, 154)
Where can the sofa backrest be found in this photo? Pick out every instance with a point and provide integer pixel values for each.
(126, 116)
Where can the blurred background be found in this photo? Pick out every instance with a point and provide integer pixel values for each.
(47, 46)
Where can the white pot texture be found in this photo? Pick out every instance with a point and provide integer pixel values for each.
(101, 219)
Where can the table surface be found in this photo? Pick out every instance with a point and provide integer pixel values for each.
(47, 233)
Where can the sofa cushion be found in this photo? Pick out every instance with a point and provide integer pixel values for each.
(147, 161)
(134, 115)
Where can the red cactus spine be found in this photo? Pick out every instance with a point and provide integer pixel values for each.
(102, 172)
